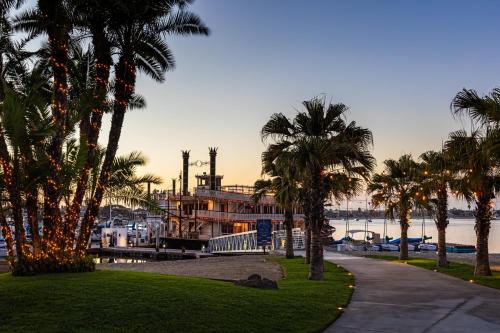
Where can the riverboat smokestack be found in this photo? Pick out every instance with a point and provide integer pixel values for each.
(173, 186)
(213, 155)
(185, 171)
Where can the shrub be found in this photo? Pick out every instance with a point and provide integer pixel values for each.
(76, 265)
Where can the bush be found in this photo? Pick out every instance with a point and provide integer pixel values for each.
(76, 265)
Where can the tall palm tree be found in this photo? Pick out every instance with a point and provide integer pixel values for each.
(54, 19)
(478, 180)
(399, 188)
(26, 125)
(137, 27)
(92, 16)
(285, 188)
(438, 174)
(318, 140)
(478, 168)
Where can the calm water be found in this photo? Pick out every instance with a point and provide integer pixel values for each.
(459, 230)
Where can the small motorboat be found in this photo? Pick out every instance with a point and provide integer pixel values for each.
(354, 246)
(389, 247)
(427, 247)
(410, 240)
(373, 248)
(459, 248)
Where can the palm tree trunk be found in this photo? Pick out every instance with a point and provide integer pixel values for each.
(102, 51)
(11, 179)
(483, 222)
(404, 222)
(124, 88)
(32, 210)
(317, 219)
(307, 226)
(58, 32)
(17, 214)
(308, 243)
(289, 237)
(442, 258)
(316, 265)
(441, 224)
(6, 233)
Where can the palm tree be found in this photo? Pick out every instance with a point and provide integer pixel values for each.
(285, 188)
(478, 166)
(53, 18)
(137, 27)
(477, 181)
(438, 175)
(93, 16)
(399, 188)
(318, 141)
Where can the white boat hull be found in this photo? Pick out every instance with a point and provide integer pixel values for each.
(389, 247)
(427, 247)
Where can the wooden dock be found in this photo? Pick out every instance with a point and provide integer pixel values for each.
(147, 253)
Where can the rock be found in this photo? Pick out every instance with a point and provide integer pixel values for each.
(256, 281)
(254, 277)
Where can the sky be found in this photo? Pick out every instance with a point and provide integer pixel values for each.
(396, 64)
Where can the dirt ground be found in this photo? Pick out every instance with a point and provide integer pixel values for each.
(221, 268)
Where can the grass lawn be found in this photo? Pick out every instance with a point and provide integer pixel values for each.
(118, 301)
(459, 270)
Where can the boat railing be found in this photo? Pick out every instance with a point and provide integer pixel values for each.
(247, 217)
(230, 196)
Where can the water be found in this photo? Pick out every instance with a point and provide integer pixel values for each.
(109, 260)
(459, 231)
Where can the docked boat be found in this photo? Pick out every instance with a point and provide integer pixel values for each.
(427, 247)
(411, 240)
(373, 247)
(389, 247)
(460, 248)
(369, 244)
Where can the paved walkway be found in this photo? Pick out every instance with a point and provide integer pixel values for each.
(395, 297)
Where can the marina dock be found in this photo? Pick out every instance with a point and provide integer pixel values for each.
(147, 253)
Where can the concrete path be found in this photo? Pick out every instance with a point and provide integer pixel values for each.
(395, 297)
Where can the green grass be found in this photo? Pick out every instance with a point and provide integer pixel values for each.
(119, 301)
(458, 270)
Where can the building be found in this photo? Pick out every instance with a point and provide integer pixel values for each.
(212, 209)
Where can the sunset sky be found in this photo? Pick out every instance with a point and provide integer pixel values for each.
(396, 64)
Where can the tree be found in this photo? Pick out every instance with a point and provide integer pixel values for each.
(49, 153)
(318, 140)
(399, 188)
(477, 181)
(285, 188)
(137, 28)
(476, 155)
(438, 174)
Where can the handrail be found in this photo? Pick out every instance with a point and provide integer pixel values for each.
(245, 242)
